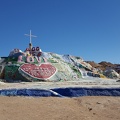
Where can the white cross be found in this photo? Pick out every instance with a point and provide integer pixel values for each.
(30, 36)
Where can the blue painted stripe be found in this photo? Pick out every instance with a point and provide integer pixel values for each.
(62, 92)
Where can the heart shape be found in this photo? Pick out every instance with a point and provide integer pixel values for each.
(43, 71)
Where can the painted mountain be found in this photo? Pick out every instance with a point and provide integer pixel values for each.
(35, 65)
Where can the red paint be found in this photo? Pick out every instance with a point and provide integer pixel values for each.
(43, 71)
(39, 54)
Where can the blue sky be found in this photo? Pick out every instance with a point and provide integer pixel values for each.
(86, 28)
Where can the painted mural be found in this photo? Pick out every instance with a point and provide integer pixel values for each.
(43, 71)
(35, 65)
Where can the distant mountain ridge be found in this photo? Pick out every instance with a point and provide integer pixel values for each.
(102, 65)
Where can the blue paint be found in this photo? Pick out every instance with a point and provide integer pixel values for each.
(62, 92)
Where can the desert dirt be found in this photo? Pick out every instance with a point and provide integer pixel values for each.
(53, 108)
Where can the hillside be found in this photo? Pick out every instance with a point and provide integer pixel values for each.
(102, 65)
(35, 65)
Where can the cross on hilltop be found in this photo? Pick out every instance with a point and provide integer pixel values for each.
(30, 36)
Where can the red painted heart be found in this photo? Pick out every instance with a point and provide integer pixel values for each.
(44, 71)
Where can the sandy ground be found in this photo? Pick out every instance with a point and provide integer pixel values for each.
(52, 108)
